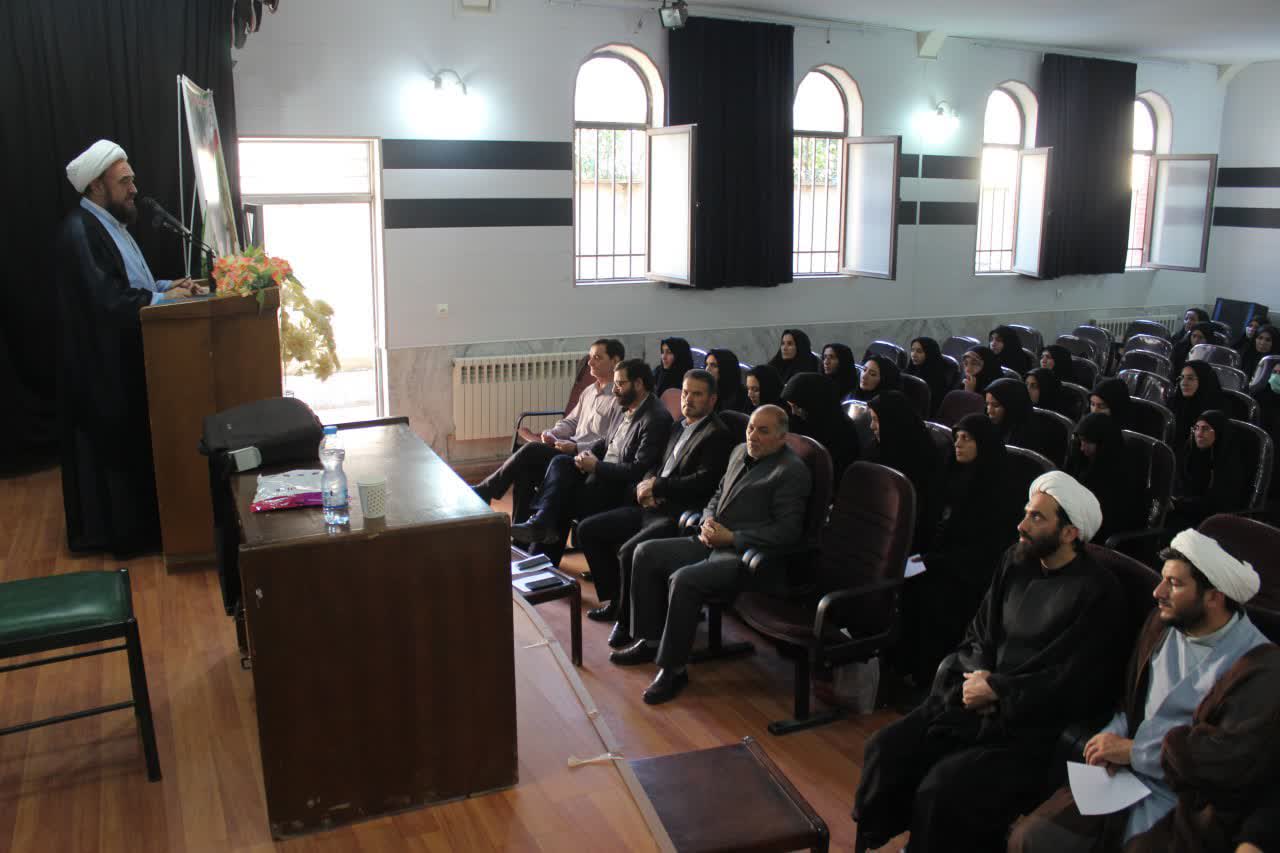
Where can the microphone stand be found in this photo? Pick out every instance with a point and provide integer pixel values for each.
(188, 239)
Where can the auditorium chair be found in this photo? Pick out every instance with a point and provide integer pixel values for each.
(889, 350)
(1079, 346)
(1032, 340)
(952, 375)
(795, 563)
(699, 357)
(1223, 329)
(943, 441)
(1078, 400)
(1102, 343)
(1230, 378)
(1240, 406)
(1150, 362)
(1010, 373)
(62, 611)
(737, 424)
(1145, 385)
(956, 404)
(1149, 343)
(1022, 466)
(1146, 327)
(1086, 371)
(1257, 544)
(917, 391)
(581, 380)
(1214, 354)
(1258, 454)
(1154, 463)
(862, 554)
(1262, 373)
(957, 345)
(1152, 419)
(1057, 430)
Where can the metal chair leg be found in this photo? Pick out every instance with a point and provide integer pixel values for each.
(142, 700)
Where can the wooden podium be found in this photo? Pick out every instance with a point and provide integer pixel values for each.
(202, 356)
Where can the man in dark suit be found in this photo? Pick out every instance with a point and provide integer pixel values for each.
(760, 503)
(600, 477)
(103, 282)
(684, 479)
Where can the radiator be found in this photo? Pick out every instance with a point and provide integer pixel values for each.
(1117, 325)
(489, 393)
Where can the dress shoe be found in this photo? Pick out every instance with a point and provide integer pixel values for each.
(637, 652)
(619, 637)
(533, 532)
(665, 687)
(604, 613)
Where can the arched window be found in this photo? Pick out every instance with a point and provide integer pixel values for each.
(614, 103)
(1151, 134)
(828, 108)
(1004, 132)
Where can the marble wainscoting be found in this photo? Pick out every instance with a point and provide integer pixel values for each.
(420, 379)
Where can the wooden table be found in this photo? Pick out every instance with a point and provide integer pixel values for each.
(567, 588)
(729, 798)
(382, 652)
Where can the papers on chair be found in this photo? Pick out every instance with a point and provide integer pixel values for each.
(1097, 792)
(915, 566)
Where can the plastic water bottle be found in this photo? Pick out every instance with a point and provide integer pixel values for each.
(333, 482)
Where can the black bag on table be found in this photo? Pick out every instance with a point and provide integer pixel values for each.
(276, 431)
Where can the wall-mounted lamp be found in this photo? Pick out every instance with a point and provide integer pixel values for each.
(673, 13)
(448, 82)
(938, 124)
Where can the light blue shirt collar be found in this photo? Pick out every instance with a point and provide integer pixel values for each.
(135, 264)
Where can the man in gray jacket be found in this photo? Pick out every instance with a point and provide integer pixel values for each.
(760, 504)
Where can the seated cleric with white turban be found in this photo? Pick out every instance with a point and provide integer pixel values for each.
(1194, 638)
(1037, 656)
(103, 282)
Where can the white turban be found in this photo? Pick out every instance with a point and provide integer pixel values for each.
(83, 170)
(1076, 501)
(1235, 579)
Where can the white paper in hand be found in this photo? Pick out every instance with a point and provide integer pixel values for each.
(915, 566)
(1097, 792)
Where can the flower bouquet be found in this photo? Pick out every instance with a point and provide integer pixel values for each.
(306, 327)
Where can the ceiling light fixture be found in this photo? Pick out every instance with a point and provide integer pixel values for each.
(449, 82)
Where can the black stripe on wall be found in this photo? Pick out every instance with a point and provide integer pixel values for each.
(907, 212)
(475, 154)
(909, 165)
(1247, 217)
(948, 213)
(476, 212)
(1251, 176)
(951, 167)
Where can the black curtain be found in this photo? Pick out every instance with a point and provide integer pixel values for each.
(75, 71)
(735, 80)
(1086, 114)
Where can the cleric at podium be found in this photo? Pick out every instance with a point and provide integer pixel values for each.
(103, 281)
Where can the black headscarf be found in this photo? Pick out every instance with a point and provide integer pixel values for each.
(729, 393)
(821, 418)
(905, 446)
(1063, 367)
(1116, 395)
(1011, 355)
(1250, 357)
(845, 378)
(1244, 343)
(1202, 316)
(890, 378)
(1052, 395)
(1186, 409)
(674, 377)
(990, 371)
(804, 362)
(933, 371)
(1182, 348)
(991, 452)
(770, 385)
(1210, 480)
(1107, 474)
(1015, 399)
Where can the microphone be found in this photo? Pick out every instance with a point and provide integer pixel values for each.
(163, 218)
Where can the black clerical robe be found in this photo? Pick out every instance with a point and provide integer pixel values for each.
(108, 481)
(956, 778)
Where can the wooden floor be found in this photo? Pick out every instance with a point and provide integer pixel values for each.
(82, 785)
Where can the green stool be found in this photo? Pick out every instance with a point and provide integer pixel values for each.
(60, 611)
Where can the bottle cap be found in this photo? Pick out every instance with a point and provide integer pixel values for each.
(331, 430)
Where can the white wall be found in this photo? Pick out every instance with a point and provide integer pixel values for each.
(1243, 261)
(321, 68)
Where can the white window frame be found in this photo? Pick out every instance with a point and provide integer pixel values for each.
(851, 121)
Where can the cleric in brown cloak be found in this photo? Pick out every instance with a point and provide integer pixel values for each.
(108, 481)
